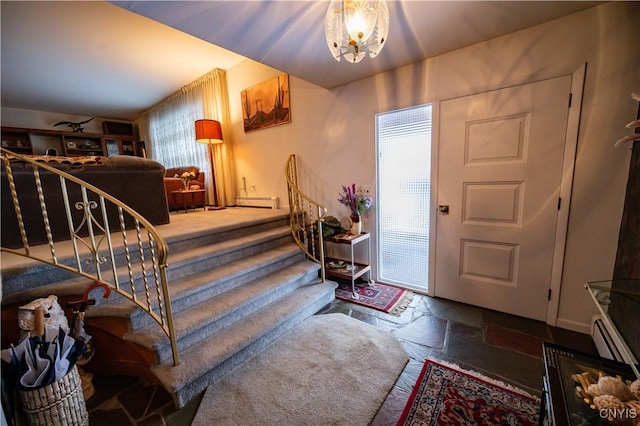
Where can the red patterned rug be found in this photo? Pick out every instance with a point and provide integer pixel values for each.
(446, 395)
(385, 298)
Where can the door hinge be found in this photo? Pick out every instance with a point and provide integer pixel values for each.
(559, 202)
(570, 99)
(549, 295)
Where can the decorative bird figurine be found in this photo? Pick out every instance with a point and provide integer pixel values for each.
(76, 127)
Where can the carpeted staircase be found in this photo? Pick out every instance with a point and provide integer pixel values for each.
(234, 290)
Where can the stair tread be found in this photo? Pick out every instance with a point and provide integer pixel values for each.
(231, 244)
(188, 284)
(221, 229)
(198, 360)
(206, 312)
(75, 284)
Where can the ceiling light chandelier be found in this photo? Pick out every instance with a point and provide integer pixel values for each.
(356, 27)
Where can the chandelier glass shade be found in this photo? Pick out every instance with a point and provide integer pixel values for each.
(354, 28)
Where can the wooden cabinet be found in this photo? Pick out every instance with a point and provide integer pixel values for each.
(83, 145)
(41, 142)
(16, 140)
(118, 144)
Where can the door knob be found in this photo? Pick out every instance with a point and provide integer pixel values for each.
(443, 209)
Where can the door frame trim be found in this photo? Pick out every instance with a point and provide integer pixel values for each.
(566, 185)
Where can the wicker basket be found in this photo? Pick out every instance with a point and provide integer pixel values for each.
(60, 403)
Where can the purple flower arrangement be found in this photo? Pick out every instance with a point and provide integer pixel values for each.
(357, 203)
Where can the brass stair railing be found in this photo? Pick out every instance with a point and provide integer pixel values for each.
(305, 218)
(142, 279)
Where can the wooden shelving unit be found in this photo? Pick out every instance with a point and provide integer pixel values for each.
(71, 144)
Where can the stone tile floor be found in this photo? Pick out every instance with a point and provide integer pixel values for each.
(501, 346)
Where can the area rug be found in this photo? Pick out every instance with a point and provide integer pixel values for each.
(329, 370)
(447, 395)
(385, 298)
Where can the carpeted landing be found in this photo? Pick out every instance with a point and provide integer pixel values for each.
(330, 369)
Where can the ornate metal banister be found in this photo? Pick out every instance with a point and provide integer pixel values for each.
(93, 240)
(305, 218)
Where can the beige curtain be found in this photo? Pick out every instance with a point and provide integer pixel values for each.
(169, 133)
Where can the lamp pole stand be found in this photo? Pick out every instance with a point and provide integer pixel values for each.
(213, 181)
(210, 132)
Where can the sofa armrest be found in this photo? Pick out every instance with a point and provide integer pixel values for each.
(173, 184)
(200, 180)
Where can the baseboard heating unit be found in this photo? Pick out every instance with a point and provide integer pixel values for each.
(268, 202)
(610, 344)
(605, 343)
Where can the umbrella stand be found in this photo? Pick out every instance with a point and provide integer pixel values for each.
(76, 330)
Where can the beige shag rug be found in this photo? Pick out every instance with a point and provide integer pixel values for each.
(329, 370)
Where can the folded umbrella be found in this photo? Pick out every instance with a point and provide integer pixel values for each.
(37, 369)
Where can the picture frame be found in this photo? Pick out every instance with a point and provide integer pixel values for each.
(266, 104)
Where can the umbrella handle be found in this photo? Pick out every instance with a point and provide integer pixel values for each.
(107, 291)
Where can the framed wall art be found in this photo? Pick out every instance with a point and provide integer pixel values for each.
(266, 104)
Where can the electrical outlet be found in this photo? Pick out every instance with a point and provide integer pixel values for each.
(364, 190)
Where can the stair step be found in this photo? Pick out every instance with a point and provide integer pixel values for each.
(193, 289)
(190, 239)
(45, 279)
(33, 279)
(211, 316)
(205, 363)
(205, 258)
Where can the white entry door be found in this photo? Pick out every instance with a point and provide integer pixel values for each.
(499, 175)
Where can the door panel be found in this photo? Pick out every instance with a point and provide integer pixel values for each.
(499, 171)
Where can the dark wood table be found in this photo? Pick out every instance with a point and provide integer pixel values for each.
(184, 193)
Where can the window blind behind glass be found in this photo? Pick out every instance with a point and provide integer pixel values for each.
(403, 204)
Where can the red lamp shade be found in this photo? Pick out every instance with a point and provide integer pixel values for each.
(208, 131)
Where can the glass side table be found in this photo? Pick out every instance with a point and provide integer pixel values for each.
(560, 404)
(618, 302)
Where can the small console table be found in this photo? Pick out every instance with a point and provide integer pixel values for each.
(349, 269)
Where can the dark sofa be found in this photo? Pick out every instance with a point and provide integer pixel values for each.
(138, 182)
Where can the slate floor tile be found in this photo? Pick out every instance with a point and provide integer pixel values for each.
(573, 339)
(513, 340)
(426, 330)
(112, 417)
(519, 369)
(524, 325)
(391, 409)
(454, 311)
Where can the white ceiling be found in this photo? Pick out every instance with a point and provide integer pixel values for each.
(99, 59)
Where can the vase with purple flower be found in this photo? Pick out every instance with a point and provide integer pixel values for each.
(357, 204)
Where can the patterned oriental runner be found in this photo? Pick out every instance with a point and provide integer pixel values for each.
(385, 298)
(447, 395)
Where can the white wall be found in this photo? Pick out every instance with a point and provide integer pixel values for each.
(44, 120)
(332, 132)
